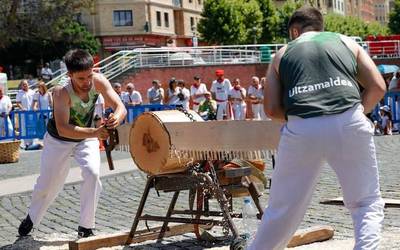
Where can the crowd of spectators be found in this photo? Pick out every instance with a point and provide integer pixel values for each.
(383, 119)
(225, 100)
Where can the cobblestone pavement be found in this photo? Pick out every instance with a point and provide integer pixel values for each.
(121, 195)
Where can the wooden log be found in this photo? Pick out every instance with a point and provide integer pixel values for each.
(339, 201)
(311, 235)
(118, 239)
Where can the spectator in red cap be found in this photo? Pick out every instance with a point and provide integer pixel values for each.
(220, 89)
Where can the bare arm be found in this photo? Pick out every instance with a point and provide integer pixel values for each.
(104, 87)
(35, 105)
(50, 100)
(368, 76)
(61, 115)
(273, 89)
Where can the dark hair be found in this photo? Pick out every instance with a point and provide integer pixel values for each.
(181, 82)
(307, 17)
(172, 81)
(78, 60)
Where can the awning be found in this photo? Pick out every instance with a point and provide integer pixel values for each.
(387, 69)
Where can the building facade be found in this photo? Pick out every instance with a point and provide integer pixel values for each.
(336, 6)
(128, 24)
(382, 11)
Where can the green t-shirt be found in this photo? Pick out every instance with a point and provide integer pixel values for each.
(80, 113)
(318, 73)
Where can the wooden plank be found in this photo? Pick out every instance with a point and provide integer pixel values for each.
(118, 239)
(339, 201)
(311, 235)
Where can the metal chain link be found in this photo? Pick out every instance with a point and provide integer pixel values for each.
(184, 111)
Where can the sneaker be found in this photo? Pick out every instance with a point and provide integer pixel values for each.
(26, 226)
(84, 232)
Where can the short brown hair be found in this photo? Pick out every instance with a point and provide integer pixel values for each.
(307, 17)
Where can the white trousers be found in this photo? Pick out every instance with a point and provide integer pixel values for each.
(196, 107)
(257, 110)
(239, 111)
(54, 169)
(6, 125)
(222, 110)
(345, 142)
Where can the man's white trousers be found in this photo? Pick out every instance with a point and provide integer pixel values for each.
(345, 142)
(54, 169)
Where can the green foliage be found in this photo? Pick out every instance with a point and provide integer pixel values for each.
(284, 14)
(230, 21)
(352, 26)
(394, 18)
(75, 35)
(269, 22)
(41, 30)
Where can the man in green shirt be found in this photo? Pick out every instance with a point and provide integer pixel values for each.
(313, 84)
(71, 131)
(208, 108)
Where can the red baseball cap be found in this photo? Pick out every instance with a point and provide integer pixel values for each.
(219, 72)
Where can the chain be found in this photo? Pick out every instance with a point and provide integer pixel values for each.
(184, 111)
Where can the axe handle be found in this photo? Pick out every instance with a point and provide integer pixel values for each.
(109, 146)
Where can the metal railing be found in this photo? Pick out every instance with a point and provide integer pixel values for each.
(124, 60)
(32, 124)
(118, 63)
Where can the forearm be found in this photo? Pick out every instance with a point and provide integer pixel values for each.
(370, 97)
(76, 132)
(275, 112)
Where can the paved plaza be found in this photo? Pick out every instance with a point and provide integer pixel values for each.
(122, 191)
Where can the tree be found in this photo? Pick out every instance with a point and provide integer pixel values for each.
(352, 26)
(230, 21)
(269, 22)
(394, 18)
(33, 20)
(284, 14)
(36, 31)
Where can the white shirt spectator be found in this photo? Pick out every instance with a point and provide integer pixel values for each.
(42, 100)
(201, 89)
(153, 93)
(186, 97)
(257, 92)
(221, 90)
(237, 94)
(5, 122)
(5, 104)
(25, 98)
(63, 67)
(173, 96)
(99, 106)
(47, 74)
(132, 99)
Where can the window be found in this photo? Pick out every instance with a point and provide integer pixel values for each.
(190, 1)
(191, 22)
(158, 14)
(122, 18)
(166, 19)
